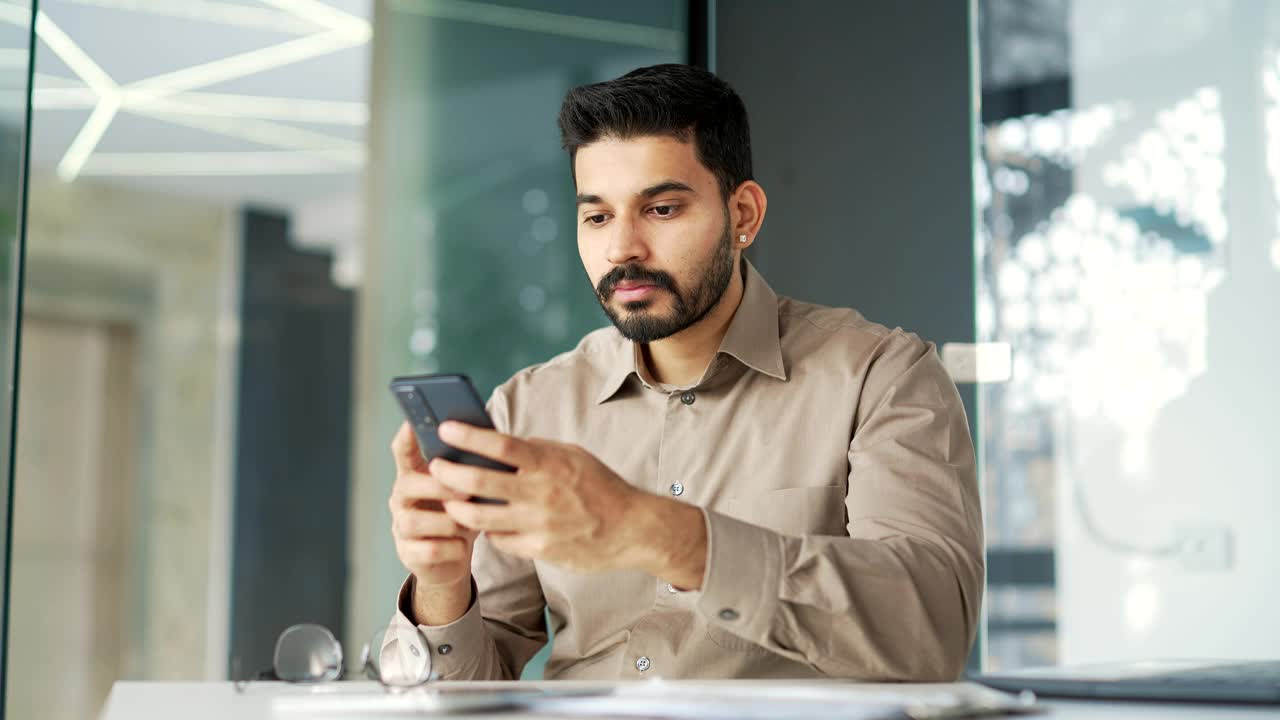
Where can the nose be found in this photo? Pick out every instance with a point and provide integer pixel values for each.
(627, 244)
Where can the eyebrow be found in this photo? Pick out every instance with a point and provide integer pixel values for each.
(652, 190)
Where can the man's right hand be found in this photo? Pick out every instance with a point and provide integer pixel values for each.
(434, 548)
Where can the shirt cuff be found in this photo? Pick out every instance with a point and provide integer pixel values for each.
(743, 577)
(454, 647)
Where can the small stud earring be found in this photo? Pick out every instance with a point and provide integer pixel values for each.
(742, 238)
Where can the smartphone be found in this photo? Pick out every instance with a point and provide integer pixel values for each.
(428, 400)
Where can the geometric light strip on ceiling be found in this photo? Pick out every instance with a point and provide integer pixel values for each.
(176, 97)
(171, 96)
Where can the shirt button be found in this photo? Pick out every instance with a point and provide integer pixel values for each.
(444, 649)
(414, 649)
(687, 397)
(677, 489)
(728, 614)
(642, 664)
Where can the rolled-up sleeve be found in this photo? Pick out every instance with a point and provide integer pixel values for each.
(898, 598)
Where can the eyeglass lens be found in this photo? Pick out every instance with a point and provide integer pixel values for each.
(307, 653)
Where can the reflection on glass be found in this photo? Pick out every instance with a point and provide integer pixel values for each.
(1120, 254)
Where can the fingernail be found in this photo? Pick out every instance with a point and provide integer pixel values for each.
(447, 430)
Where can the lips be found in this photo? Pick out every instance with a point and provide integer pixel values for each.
(633, 283)
(628, 293)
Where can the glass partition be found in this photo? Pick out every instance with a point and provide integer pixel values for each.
(1128, 176)
(194, 217)
(202, 437)
(17, 19)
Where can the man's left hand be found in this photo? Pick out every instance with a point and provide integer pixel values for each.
(564, 506)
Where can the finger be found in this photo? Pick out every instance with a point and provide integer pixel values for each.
(476, 516)
(419, 524)
(473, 481)
(405, 451)
(412, 488)
(489, 443)
(432, 552)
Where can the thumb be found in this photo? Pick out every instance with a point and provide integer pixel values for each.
(406, 451)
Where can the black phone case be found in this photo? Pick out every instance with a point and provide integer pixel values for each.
(428, 400)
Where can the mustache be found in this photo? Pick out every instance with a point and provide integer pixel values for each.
(633, 273)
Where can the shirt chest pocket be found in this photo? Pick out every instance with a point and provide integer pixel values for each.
(793, 511)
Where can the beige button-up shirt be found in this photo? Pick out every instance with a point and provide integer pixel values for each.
(833, 461)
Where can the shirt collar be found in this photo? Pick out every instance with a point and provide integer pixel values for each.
(753, 338)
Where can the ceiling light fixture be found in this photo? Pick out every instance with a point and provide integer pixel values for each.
(106, 89)
(241, 65)
(344, 30)
(263, 132)
(68, 94)
(162, 164)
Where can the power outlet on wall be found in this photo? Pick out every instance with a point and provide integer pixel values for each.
(1205, 548)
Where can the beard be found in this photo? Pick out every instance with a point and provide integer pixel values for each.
(640, 324)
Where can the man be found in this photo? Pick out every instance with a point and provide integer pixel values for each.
(725, 483)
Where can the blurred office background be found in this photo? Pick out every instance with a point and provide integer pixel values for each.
(243, 217)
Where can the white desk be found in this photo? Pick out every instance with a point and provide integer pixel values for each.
(219, 701)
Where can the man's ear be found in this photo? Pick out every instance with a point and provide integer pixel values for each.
(747, 206)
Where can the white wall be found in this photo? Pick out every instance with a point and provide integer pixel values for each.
(160, 266)
(73, 577)
(1190, 440)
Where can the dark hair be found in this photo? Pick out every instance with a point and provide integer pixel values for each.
(681, 101)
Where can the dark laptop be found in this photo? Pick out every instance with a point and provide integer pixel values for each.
(1225, 681)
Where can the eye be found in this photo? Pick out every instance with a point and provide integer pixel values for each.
(595, 219)
(664, 210)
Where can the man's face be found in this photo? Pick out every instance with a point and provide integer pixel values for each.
(653, 233)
